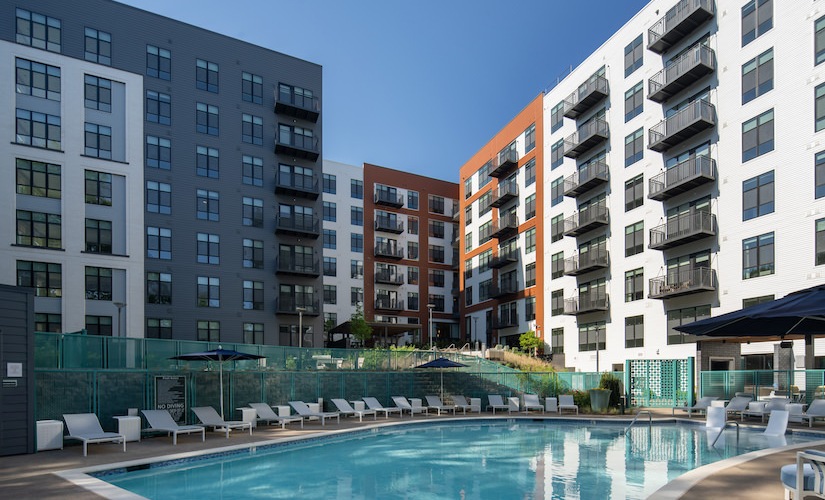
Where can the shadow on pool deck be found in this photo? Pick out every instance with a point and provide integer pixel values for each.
(30, 476)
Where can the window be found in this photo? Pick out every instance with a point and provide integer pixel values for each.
(557, 228)
(634, 147)
(329, 182)
(468, 242)
(756, 300)
(37, 129)
(98, 188)
(252, 88)
(530, 172)
(412, 250)
(99, 236)
(556, 191)
(634, 239)
(330, 294)
(436, 278)
(253, 253)
(158, 288)
(99, 325)
(158, 107)
(159, 328)
(484, 259)
(758, 196)
(819, 107)
(530, 207)
(356, 269)
(252, 170)
(757, 19)
(437, 300)
(436, 204)
(530, 275)
(468, 269)
(356, 189)
(206, 119)
(330, 319)
(557, 265)
(556, 117)
(633, 56)
(530, 138)
(253, 333)
(209, 331)
(436, 228)
(330, 266)
(634, 285)
(38, 31)
(592, 336)
(98, 283)
(206, 75)
(97, 93)
(634, 331)
(208, 248)
(253, 295)
(356, 242)
(412, 275)
(252, 129)
(484, 290)
(356, 296)
(253, 212)
(412, 200)
(819, 40)
(757, 76)
(330, 211)
(757, 136)
(820, 242)
(158, 153)
(557, 154)
(557, 341)
(356, 216)
(98, 141)
(208, 205)
(38, 80)
(209, 291)
(158, 242)
(436, 253)
(634, 193)
(158, 63)
(330, 239)
(530, 240)
(468, 187)
(468, 295)
(46, 278)
(412, 225)
(36, 178)
(634, 100)
(680, 317)
(530, 308)
(38, 229)
(48, 323)
(758, 256)
(484, 201)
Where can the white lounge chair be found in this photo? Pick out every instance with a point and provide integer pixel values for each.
(303, 410)
(816, 410)
(766, 409)
(267, 414)
(345, 409)
(806, 477)
(406, 406)
(566, 402)
(497, 403)
(777, 423)
(532, 401)
(373, 404)
(85, 427)
(461, 402)
(161, 420)
(210, 418)
(738, 405)
(700, 406)
(434, 403)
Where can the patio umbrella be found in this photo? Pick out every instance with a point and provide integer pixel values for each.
(220, 355)
(441, 363)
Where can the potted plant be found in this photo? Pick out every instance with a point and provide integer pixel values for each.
(599, 399)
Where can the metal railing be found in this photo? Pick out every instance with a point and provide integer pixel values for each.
(597, 256)
(674, 17)
(686, 225)
(699, 54)
(683, 281)
(693, 168)
(698, 110)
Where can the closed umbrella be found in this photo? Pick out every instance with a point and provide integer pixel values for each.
(441, 363)
(220, 355)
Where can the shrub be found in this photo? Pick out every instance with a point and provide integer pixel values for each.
(612, 382)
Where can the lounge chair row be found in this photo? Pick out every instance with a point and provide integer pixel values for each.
(746, 407)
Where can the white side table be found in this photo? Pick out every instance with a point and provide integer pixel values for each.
(49, 435)
(475, 405)
(513, 403)
(314, 407)
(358, 405)
(283, 410)
(249, 415)
(129, 427)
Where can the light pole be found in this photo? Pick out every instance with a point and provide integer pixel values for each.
(430, 307)
(300, 325)
(120, 306)
(475, 329)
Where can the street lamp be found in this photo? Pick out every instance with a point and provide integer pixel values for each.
(430, 307)
(474, 334)
(300, 325)
(120, 306)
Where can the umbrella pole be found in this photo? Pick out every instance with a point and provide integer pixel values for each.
(220, 364)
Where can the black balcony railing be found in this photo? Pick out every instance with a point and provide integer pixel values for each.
(289, 304)
(298, 225)
(586, 303)
(389, 251)
(684, 228)
(506, 321)
(586, 178)
(505, 226)
(590, 260)
(504, 193)
(697, 116)
(297, 266)
(388, 277)
(681, 73)
(389, 225)
(298, 105)
(304, 186)
(586, 137)
(678, 22)
(503, 290)
(388, 198)
(388, 304)
(298, 146)
(504, 162)
(587, 219)
(586, 96)
(682, 177)
(683, 282)
(505, 258)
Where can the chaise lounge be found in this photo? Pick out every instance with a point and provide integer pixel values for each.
(373, 404)
(210, 418)
(345, 409)
(161, 420)
(85, 427)
(267, 414)
(303, 410)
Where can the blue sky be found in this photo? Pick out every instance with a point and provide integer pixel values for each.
(417, 86)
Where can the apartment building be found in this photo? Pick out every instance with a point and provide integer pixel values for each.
(166, 180)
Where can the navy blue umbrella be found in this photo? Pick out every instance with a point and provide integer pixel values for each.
(441, 363)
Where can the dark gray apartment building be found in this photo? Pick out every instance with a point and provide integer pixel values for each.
(166, 179)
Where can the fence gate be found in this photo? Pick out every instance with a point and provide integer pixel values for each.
(660, 382)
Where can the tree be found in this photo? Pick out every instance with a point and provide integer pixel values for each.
(359, 326)
(529, 342)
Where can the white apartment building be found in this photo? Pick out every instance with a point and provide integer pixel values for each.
(685, 178)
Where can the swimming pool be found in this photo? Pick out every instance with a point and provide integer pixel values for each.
(468, 459)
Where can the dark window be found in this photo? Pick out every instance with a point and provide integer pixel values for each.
(356, 216)
(680, 317)
(98, 188)
(253, 295)
(206, 117)
(159, 328)
(37, 129)
(557, 340)
(556, 117)
(557, 228)
(253, 333)
(330, 239)
(530, 172)
(356, 188)
(758, 256)
(530, 138)
(819, 40)
(819, 108)
(52, 323)
(98, 140)
(252, 170)
(36, 178)
(329, 182)
(98, 46)
(99, 236)
(757, 19)
(158, 107)
(634, 147)
(38, 229)
(436, 204)
(38, 80)
(757, 136)
(45, 278)
(330, 211)
(158, 152)
(158, 288)
(757, 76)
(253, 212)
(330, 294)
(98, 283)
(530, 207)
(158, 63)
(253, 253)
(633, 56)
(634, 100)
(557, 154)
(38, 31)
(209, 291)
(158, 242)
(557, 265)
(634, 285)
(634, 239)
(634, 331)
(209, 331)
(208, 205)
(209, 248)
(206, 75)
(556, 191)
(634, 193)
(820, 242)
(252, 89)
(252, 129)
(99, 325)
(330, 266)
(758, 196)
(356, 242)
(752, 301)
(592, 336)
(158, 197)
(530, 274)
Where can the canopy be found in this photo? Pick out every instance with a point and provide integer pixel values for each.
(441, 363)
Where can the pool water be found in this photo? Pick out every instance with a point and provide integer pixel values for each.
(491, 459)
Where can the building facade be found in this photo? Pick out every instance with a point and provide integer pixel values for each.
(194, 159)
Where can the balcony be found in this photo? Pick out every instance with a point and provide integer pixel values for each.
(389, 225)
(586, 303)
(388, 198)
(287, 304)
(682, 229)
(504, 227)
(388, 304)
(297, 267)
(389, 251)
(681, 73)
(588, 177)
(683, 282)
(297, 146)
(586, 96)
(505, 258)
(387, 277)
(302, 186)
(504, 193)
(503, 290)
(699, 115)
(504, 162)
(682, 177)
(587, 219)
(677, 23)
(287, 102)
(298, 225)
(586, 137)
(590, 260)
(505, 321)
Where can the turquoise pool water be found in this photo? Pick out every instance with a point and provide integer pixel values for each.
(490, 459)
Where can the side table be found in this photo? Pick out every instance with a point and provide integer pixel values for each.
(129, 427)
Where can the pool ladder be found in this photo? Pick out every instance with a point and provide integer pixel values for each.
(649, 420)
(727, 422)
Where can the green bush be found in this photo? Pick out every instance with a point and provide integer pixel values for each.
(610, 381)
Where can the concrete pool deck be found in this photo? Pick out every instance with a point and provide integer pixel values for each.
(32, 476)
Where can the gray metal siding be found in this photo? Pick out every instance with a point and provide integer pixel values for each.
(16, 393)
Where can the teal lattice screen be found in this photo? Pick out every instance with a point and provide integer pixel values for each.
(660, 382)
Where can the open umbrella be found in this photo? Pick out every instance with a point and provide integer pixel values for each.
(220, 355)
(441, 363)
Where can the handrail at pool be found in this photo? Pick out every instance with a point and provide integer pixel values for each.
(734, 422)
(649, 420)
